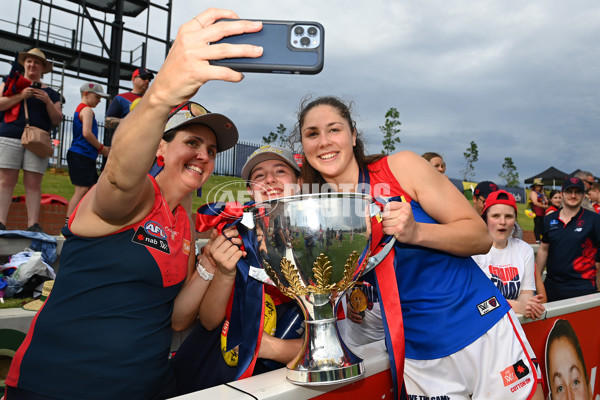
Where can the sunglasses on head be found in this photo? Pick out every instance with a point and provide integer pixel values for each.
(193, 108)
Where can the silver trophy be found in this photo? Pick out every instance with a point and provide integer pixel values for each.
(314, 248)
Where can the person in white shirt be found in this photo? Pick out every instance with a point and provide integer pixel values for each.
(510, 263)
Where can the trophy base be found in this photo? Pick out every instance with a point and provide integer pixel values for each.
(326, 377)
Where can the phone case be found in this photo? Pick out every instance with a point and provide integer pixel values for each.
(279, 56)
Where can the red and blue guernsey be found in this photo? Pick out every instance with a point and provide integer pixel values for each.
(105, 330)
(121, 104)
(447, 302)
(80, 144)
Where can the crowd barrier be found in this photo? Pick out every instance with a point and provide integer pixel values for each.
(583, 313)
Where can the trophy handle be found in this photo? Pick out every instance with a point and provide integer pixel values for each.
(389, 240)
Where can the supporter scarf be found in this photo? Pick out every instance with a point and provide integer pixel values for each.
(14, 83)
(389, 298)
(246, 315)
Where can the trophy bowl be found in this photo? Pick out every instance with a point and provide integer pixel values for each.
(313, 248)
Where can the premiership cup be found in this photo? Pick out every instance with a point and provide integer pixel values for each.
(314, 248)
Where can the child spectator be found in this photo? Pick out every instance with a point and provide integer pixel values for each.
(85, 146)
(510, 261)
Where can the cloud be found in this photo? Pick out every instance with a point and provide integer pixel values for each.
(518, 78)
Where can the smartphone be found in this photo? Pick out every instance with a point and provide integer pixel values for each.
(36, 85)
(289, 47)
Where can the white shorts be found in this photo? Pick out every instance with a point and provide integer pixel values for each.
(499, 365)
(14, 156)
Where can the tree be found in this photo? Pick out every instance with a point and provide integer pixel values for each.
(471, 157)
(509, 173)
(390, 131)
(276, 139)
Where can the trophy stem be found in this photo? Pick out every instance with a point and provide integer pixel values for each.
(325, 359)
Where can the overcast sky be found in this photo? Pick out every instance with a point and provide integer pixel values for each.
(520, 78)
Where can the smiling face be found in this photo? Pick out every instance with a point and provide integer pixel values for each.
(500, 223)
(272, 179)
(556, 199)
(190, 157)
(572, 198)
(33, 68)
(566, 373)
(328, 140)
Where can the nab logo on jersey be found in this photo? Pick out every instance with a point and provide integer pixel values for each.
(154, 229)
(489, 305)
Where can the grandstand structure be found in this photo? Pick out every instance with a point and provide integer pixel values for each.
(99, 40)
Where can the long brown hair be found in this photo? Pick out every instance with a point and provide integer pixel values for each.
(309, 174)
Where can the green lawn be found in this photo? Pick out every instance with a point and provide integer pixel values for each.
(58, 182)
(221, 188)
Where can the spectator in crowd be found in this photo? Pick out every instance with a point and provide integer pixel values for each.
(569, 244)
(436, 232)
(127, 275)
(45, 111)
(85, 146)
(594, 196)
(122, 104)
(436, 160)
(539, 204)
(554, 201)
(565, 366)
(270, 172)
(588, 180)
(510, 261)
(480, 193)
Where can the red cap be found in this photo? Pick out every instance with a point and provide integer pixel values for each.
(143, 73)
(500, 197)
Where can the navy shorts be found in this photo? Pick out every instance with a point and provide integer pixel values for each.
(82, 169)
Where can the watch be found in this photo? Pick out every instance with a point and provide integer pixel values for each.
(204, 274)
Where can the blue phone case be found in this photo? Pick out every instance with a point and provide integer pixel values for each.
(279, 56)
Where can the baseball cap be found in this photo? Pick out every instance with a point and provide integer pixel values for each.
(142, 73)
(573, 182)
(265, 153)
(500, 197)
(190, 113)
(94, 88)
(484, 188)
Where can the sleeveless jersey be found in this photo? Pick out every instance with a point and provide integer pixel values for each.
(447, 301)
(105, 330)
(80, 144)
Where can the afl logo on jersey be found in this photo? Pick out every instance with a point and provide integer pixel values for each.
(154, 229)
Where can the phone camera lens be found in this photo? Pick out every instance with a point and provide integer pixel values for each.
(305, 41)
(298, 30)
(312, 31)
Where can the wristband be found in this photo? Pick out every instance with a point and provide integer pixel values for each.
(100, 148)
(204, 274)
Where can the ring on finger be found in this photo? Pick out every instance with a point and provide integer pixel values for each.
(197, 20)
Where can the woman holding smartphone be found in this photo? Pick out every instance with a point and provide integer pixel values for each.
(127, 273)
(44, 110)
(452, 314)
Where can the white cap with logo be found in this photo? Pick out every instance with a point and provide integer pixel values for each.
(93, 87)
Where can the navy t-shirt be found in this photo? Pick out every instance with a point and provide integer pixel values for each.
(38, 116)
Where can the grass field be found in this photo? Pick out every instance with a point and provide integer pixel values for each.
(221, 188)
